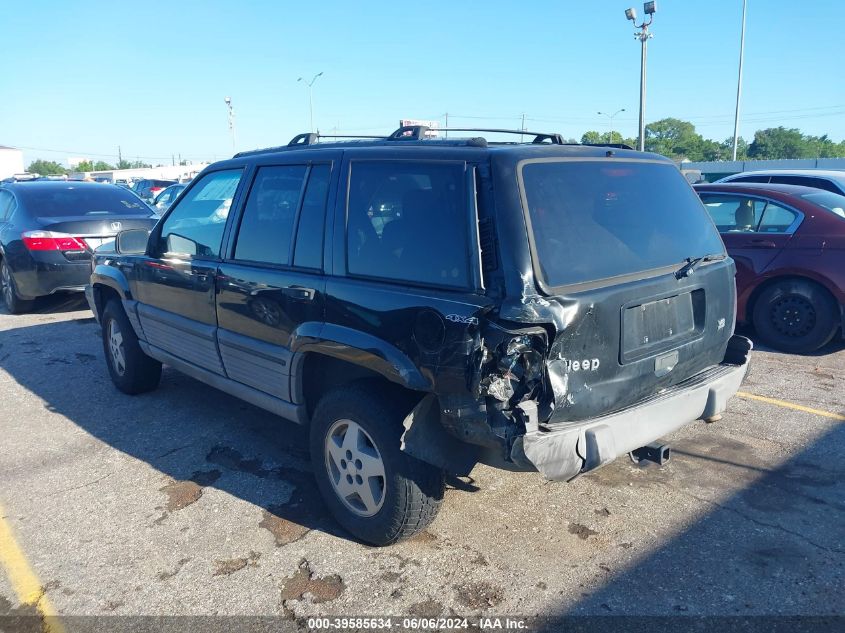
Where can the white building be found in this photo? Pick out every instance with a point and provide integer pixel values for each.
(11, 161)
(164, 172)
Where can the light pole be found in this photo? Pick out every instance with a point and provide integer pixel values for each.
(649, 8)
(310, 97)
(739, 80)
(611, 121)
(228, 101)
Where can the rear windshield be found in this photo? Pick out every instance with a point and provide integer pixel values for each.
(830, 201)
(71, 200)
(592, 220)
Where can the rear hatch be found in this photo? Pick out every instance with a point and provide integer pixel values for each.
(636, 278)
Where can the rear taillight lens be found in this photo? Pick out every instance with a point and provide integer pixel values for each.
(50, 241)
(155, 190)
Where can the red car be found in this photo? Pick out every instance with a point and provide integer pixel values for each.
(788, 243)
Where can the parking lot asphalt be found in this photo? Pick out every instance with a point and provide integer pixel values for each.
(188, 501)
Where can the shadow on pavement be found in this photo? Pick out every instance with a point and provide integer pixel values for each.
(777, 547)
(196, 435)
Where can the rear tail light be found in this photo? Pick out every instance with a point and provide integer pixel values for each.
(155, 190)
(50, 241)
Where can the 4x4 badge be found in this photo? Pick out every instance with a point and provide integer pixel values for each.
(457, 318)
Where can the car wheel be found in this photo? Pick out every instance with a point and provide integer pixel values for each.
(131, 370)
(373, 489)
(14, 303)
(795, 316)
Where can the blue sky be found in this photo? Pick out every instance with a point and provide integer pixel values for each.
(83, 78)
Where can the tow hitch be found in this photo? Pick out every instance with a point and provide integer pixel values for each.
(654, 452)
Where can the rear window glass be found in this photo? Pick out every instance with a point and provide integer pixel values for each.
(830, 201)
(88, 200)
(592, 220)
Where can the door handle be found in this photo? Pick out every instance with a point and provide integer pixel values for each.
(298, 292)
(763, 243)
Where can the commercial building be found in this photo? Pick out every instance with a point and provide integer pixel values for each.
(11, 161)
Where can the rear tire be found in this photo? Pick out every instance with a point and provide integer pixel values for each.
(796, 316)
(8, 289)
(355, 433)
(131, 370)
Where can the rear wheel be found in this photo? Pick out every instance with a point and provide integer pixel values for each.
(796, 316)
(373, 489)
(14, 303)
(131, 370)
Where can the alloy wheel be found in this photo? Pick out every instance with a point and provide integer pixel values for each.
(118, 359)
(355, 468)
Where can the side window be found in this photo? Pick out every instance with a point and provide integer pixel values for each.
(776, 219)
(751, 179)
(195, 226)
(268, 219)
(408, 221)
(733, 214)
(6, 204)
(312, 217)
(806, 181)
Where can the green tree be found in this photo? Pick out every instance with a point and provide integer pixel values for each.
(592, 136)
(85, 165)
(780, 142)
(674, 138)
(46, 168)
(102, 166)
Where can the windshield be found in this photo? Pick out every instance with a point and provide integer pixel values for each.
(72, 200)
(829, 200)
(595, 219)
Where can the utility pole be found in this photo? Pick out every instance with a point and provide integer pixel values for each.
(643, 35)
(611, 121)
(739, 79)
(311, 97)
(447, 124)
(522, 127)
(228, 101)
(119, 157)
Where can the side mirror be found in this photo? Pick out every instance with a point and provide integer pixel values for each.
(132, 242)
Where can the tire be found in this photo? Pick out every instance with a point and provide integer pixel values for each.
(404, 493)
(14, 303)
(131, 370)
(796, 316)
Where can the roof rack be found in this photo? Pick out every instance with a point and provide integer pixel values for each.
(418, 132)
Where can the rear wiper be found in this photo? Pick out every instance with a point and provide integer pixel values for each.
(693, 262)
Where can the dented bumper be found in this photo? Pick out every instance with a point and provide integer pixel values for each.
(562, 451)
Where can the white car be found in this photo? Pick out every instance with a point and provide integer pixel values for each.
(827, 179)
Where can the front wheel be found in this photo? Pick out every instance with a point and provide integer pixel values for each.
(131, 370)
(373, 489)
(796, 316)
(14, 303)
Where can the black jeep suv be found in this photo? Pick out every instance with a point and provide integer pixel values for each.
(424, 304)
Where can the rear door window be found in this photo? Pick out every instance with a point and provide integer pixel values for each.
(806, 181)
(592, 220)
(269, 215)
(751, 179)
(777, 219)
(408, 221)
(734, 214)
(312, 218)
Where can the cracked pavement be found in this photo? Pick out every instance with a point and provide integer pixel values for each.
(188, 501)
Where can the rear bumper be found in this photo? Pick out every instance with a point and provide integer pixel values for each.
(46, 277)
(577, 447)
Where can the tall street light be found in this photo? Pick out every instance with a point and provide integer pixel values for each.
(310, 97)
(649, 8)
(739, 80)
(611, 121)
(228, 101)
